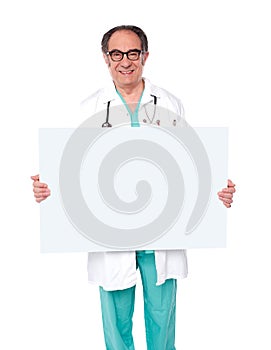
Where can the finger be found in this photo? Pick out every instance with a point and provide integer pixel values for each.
(41, 190)
(39, 184)
(227, 205)
(35, 177)
(230, 183)
(225, 195)
(226, 200)
(39, 200)
(41, 196)
(229, 190)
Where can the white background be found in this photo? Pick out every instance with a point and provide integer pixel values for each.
(215, 55)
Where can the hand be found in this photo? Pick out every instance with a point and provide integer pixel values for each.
(226, 194)
(41, 190)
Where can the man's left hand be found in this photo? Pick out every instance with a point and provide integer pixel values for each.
(226, 194)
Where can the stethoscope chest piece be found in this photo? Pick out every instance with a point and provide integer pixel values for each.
(106, 125)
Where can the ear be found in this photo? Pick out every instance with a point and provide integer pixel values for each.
(144, 58)
(106, 59)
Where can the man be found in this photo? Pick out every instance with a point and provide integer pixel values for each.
(125, 51)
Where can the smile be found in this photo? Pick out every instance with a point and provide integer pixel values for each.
(127, 72)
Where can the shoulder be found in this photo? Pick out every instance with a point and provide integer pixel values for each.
(167, 99)
(89, 105)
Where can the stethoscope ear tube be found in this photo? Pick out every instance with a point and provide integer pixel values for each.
(106, 124)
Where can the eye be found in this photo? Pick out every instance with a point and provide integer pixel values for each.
(133, 55)
(116, 55)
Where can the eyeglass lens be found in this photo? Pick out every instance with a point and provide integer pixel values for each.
(117, 55)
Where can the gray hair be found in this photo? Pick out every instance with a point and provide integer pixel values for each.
(138, 31)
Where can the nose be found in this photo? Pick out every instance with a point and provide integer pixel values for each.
(125, 62)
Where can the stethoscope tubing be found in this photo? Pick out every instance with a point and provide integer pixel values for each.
(106, 124)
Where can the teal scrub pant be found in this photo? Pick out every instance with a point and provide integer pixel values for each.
(159, 310)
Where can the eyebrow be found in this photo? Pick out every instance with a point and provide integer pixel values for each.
(124, 51)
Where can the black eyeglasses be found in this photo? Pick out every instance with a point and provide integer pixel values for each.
(132, 55)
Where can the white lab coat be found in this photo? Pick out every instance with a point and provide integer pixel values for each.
(117, 270)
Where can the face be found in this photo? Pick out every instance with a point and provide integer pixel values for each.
(125, 73)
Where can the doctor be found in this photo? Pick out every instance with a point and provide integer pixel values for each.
(125, 51)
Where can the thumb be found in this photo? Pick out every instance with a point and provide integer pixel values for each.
(230, 183)
(35, 177)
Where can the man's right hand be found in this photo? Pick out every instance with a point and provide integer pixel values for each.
(41, 190)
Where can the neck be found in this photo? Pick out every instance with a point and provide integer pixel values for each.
(131, 92)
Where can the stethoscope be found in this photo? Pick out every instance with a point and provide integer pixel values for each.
(106, 124)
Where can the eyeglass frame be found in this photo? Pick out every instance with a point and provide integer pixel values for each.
(109, 53)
